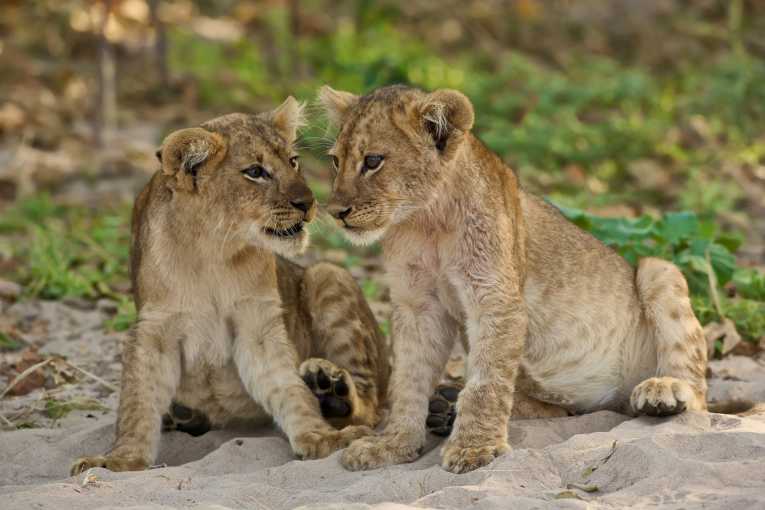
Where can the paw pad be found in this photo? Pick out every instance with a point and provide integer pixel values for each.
(330, 386)
(442, 410)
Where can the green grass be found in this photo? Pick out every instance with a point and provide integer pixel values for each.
(125, 316)
(8, 343)
(57, 409)
(69, 251)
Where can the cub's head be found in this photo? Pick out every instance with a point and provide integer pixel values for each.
(394, 148)
(241, 177)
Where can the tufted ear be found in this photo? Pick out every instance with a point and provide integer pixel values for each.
(447, 115)
(287, 118)
(185, 152)
(336, 103)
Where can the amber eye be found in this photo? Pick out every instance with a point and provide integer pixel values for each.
(294, 162)
(372, 162)
(256, 173)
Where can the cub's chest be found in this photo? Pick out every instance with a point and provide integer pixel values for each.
(210, 328)
(207, 337)
(431, 267)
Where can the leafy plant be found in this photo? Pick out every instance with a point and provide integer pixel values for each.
(750, 283)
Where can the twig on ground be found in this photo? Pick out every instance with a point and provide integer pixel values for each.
(712, 278)
(7, 422)
(93, 376)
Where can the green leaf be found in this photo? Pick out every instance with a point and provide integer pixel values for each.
(731, 240)
(750, 283)
(676, 226)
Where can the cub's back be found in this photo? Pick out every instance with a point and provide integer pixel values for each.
(146, 201)
(576, 287)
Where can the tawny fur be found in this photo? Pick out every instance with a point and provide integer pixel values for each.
(548, 309)
(223, 322)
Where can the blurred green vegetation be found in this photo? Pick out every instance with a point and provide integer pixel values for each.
(662, 110)
(592, 113)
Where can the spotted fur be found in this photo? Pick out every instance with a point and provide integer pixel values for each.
(549, 311)
(224, 323)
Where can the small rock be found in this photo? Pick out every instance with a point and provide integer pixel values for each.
(78, 303)
(9, 290)
(106, 306)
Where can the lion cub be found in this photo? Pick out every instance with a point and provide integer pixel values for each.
(223, 322)
(547, 308)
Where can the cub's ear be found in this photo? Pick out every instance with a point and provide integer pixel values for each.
(184, 153)
(336, 103)
(287, 118)
(447, 115)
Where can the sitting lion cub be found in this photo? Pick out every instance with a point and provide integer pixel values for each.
(547, 308)
(224, 323)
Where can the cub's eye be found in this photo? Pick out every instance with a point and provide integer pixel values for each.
(294, 162)
(256, 173)
(372, 162)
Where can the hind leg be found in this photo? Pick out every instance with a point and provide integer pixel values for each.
(349, 369)
(681, 352)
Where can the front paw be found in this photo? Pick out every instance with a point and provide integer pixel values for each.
(110, 462)
(459, 458)
(662, 396)
(377, 451)
(317, 444)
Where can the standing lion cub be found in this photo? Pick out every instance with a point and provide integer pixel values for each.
(548, 310)
(223, 322)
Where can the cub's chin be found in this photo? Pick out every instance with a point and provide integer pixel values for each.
(288, 241)
(363, 237)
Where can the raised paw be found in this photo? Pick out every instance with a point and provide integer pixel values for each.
(317, 444)
(185, 419)
(332, 386)
(442, 409)
(461, 459)
(661, 396)
(378, 451)
(110, 462)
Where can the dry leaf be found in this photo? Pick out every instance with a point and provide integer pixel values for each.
(725, 331)
(29, 357)
(61, 371)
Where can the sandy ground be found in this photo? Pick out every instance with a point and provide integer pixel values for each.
(601, 460)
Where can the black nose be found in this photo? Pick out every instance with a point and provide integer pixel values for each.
(303, 204)
(343, 213)
(339, 210)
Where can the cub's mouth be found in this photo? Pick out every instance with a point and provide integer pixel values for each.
(292, 231)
